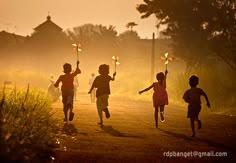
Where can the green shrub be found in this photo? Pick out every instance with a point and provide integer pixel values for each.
(28, 125)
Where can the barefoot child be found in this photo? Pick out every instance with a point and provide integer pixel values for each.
(67, 87)
(101, 82)
(160, 97)
(192, 97)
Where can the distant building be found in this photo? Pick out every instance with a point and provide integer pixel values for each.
(48, 27)
(47, 36)
(10, 41)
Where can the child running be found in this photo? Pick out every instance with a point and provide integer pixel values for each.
(101, 82)
(67, 87)
(160, 97)
(192, 97)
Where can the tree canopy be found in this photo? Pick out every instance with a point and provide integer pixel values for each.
(198, 28)
(131, 25)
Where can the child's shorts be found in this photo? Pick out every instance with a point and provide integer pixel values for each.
(68, 97)
(193, 111)
(102, 101)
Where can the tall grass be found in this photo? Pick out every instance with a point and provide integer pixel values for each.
(28, 125)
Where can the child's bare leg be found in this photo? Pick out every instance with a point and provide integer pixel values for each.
(192, 126)
(199, 123)
(100, 116)
(156, 117)
(162, 113)
(99, 109)
(65, 110)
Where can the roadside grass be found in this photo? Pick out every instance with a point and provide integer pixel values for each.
(27, 128)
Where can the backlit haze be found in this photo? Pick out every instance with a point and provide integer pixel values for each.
(22, 16)
(35, 66)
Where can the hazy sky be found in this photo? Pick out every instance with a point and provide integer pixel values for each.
(21, 16)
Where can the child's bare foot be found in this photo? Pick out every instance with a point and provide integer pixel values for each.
(156, 125)
(107, 112)
(162, 116)
(194, 134)
(100, 123)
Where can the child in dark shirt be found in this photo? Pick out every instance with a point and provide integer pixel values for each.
(192, 97)
(101, 82)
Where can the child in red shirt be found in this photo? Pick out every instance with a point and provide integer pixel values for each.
(160, 97)
(67, 87)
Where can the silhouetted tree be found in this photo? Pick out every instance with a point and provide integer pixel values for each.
(96, 38)
(199, 28)
(129, 36)
(82, 34)
(131, 25)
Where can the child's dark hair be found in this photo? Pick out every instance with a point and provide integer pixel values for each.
(160, 77)
(103, 69)
(193, 81)
(67, 68)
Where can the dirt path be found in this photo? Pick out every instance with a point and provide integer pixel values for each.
(129, 135)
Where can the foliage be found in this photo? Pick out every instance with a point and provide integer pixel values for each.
(89, 34)
(131, 25)
(199, 28)
(219, 88)
(28, 126)
(129, 36)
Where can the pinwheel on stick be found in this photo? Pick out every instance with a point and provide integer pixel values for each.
(116, 58)
(166, 59)
(76, 47)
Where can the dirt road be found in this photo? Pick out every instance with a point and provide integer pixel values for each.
(130, 136)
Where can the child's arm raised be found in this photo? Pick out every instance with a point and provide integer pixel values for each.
(77, 71)
(148, 88)
(166, 72)
(114, 75)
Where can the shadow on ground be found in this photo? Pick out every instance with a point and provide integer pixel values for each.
(113, 132)
(69, 129)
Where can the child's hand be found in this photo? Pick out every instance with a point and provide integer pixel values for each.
(208, 105)
(166, 72)
(140, 92)
(114, 74)
(89, 92)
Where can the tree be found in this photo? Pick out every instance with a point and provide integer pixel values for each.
(129, 36)
(198, 28)
(131, 25)
(89, 33)
(95, 38)
(82, 34)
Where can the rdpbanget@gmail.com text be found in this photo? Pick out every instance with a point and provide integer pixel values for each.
(194, 154)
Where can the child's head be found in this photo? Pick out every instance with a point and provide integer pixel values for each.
(193, 81)
(160, 76)
(103, 69)
(67, 68)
